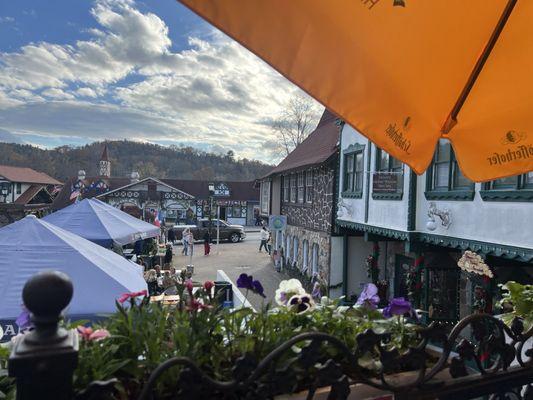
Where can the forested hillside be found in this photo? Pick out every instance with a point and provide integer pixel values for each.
(127, 156)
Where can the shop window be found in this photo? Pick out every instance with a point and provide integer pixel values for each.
(353, 171)
(512, 188)
(314, 258)
(286, 189)
(295, 250)
(305, 256)
(444, 179)
(443, 294)
(19, 188)
(309, 187)
(293, 188)
(387, 182)
(265, 197)
(301, 187)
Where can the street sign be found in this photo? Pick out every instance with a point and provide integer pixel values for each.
(277, 222)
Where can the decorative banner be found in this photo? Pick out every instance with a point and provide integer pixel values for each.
(472, 262)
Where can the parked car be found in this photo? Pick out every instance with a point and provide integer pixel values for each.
(232, 233)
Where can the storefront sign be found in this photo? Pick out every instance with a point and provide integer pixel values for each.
(384, 182)
(221, 189)
(8, 329)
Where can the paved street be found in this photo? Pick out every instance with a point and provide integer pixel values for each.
(234, 259)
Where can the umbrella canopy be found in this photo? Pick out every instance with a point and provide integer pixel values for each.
(404, 72)
(32, 245)
(101, 223)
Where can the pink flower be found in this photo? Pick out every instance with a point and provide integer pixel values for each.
(208, 285)
(133, 295)
(196, 305)
(87, 333)
(188, 285)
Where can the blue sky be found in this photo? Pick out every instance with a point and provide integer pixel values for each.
(74, 71)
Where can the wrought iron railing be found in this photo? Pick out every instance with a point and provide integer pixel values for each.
(480, 356)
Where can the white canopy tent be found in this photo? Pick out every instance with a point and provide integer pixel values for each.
(32, 245)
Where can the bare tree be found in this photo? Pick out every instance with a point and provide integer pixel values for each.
(295, 122)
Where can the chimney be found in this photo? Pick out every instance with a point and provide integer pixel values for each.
(81, 175)
(134, 177)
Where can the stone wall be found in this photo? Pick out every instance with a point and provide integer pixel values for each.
(318, 214)
(322, 239)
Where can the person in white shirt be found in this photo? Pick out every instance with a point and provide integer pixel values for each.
(264, 239)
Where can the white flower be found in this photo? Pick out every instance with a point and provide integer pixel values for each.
(287, 289)
(301, 303)
(473, 263)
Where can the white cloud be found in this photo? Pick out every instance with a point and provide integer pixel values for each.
(6, 19)
(56, 94)
(215, 93)
(86, 92)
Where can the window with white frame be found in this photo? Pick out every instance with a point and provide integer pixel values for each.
(314, 258)
(305, 256)
(309, 187)
(293, 188)
(286, 189)
(265, 197)
(301, 187)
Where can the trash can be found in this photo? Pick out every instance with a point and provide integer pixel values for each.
(224, 293)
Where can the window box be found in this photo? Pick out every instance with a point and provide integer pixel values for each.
(352, 195)
(452, 195)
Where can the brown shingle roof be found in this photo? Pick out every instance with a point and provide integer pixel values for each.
(26, 175)
(317, 148)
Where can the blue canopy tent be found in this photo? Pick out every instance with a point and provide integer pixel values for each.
(101, 223)
(32, 245)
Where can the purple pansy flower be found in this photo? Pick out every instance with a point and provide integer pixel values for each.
(301, 303)
(245, 281)
(258, 288)
(397, 306)
(23, 320)
(369, 297)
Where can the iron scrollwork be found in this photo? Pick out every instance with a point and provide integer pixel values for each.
(480, 346)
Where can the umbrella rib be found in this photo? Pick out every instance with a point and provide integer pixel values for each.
(452, 117)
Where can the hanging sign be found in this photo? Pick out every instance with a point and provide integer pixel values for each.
(277, 222)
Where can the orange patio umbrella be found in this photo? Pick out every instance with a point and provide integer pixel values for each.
(405, 73)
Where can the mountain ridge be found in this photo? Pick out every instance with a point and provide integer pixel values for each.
(126, 156)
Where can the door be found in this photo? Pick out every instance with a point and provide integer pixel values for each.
(401, 268)
(223, 213)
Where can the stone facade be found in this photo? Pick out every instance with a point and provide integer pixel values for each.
(312, 223)
(317, 215)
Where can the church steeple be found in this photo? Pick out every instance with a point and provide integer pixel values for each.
(104, 165)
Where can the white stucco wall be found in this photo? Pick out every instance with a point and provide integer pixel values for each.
(335, 273)
(384, 213)
(508, 223)
(358, 251)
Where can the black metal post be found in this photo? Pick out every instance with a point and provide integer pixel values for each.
(43, 360)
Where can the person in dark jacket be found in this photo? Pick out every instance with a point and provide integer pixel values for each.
(207, 242)
(171, 236)
(168, 255)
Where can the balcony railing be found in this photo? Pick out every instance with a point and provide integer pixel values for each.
(480, 356)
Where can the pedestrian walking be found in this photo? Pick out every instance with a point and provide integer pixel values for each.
(190, 240)
(185, 242)
(207, 242)
(264, 238)
(269, 243)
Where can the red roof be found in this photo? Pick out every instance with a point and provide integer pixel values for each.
(317, 148)
(26, 175)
